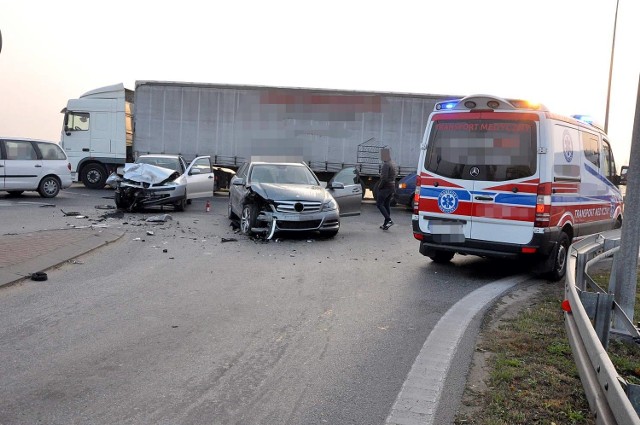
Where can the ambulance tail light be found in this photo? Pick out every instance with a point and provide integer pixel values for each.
(543, 206)
(416, 195)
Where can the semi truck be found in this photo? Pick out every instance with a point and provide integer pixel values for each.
(328, 129)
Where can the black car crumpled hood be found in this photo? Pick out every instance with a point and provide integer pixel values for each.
(288, 192)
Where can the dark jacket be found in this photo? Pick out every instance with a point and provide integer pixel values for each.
(388, 175)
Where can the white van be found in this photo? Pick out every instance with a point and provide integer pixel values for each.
(27, 164)
(509, 179)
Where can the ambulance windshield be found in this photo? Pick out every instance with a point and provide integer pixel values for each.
(490, 150)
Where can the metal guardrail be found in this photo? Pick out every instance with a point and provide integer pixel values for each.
(611, 398)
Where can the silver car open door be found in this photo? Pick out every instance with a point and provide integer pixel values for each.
(346, 189)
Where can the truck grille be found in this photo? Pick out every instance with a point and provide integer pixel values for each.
(298, 206)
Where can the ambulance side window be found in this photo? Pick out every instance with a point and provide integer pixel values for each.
(590, 146)
(608, 165)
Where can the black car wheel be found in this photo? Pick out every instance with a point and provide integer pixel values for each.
(248, 218)
(49, 187)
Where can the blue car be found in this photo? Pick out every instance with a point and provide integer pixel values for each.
(405, 190)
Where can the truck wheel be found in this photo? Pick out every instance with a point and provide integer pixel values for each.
(442, 257)
(94, 176)
(248, 218)
(49, 187)
(559, 255)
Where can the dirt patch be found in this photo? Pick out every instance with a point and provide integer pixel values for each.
(508, 307)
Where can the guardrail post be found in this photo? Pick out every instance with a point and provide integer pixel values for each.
(581, 262)
(633, 392)
(602, 323)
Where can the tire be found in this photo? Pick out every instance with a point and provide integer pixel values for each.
(181, 205)
(94, 176)
(442, 257)
(119, 203)
(49, 187)
(374, 190)
(559, 255)
(248, 218)
(15, 192)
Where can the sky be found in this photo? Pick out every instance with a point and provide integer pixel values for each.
(556, 52)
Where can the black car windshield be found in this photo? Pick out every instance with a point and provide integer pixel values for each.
(282, 174)
(164, 162)
(499, 149)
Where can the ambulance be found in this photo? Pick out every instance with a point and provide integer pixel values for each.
(508, 178)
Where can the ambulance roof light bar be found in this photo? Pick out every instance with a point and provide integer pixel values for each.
(588, 120)
(486, 102)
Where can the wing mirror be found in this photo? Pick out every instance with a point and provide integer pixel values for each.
(195, 171)
(335, 185)
(623, 175)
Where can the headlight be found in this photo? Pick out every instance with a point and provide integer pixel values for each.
(330, 206)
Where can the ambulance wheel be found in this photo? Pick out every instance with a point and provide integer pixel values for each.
(442, 257)
(560, 255)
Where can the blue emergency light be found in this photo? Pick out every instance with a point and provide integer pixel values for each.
(588, 120)
(449, 104)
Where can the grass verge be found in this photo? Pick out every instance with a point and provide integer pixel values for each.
(529, 373)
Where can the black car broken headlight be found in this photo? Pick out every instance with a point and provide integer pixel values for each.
(330, 206)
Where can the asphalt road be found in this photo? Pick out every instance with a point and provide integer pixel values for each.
(294, 331)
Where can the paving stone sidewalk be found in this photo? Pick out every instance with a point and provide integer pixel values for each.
(25, 253)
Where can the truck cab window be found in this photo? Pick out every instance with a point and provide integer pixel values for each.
(77, 121)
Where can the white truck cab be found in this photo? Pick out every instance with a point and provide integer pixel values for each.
(97, 132)
(507, 178)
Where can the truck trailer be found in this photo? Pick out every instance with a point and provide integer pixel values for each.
(328, 129)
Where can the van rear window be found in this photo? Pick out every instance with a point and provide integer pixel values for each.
(490, 150)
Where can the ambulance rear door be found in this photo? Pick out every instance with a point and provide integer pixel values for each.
(492, 158)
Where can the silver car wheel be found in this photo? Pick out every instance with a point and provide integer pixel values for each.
(245, 219)
(49, 187)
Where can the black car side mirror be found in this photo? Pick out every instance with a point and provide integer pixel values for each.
(623, 175)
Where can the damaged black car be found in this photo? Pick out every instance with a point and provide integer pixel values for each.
(269, 197)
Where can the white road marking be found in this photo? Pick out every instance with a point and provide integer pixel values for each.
(419, 397)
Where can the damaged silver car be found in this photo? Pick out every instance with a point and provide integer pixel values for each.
(162, 180)
(267, 197)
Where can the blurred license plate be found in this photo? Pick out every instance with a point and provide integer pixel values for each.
(288, 217)
(445, 228)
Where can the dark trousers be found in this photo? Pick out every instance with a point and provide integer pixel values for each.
(383, 202)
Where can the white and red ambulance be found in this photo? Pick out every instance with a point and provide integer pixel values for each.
(509, 179)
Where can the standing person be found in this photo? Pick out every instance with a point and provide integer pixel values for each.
(386, 187)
